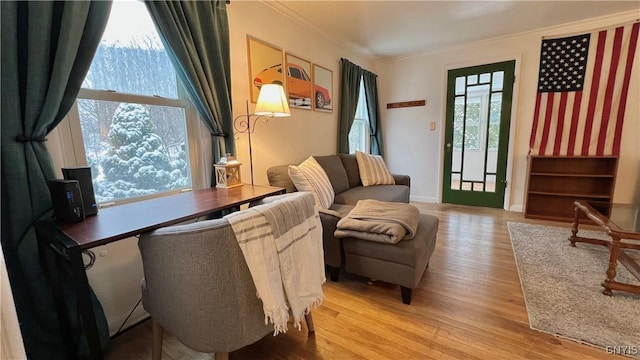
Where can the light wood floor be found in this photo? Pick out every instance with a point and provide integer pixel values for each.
(468, 305)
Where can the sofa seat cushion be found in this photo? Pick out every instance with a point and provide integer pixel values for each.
(393, 193)
(407, 252)
(341, 209)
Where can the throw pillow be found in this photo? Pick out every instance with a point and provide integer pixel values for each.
(373, 170)
(310, 176)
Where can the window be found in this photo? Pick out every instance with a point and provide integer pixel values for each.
(359, 133)
(133, 123)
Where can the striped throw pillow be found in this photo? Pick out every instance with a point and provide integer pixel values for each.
(310, 176)
(373, 170)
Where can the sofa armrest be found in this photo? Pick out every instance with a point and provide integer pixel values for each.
(402, 179)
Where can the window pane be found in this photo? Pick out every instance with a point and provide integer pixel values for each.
(131, 58)
(134, 149)
(356, 137)
(360, 129)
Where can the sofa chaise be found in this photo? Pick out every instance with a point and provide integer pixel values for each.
(403, 263)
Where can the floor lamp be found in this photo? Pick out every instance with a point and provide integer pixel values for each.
(272, 102)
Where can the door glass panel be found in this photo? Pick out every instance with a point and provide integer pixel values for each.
(466, 185)
(472, 80)
(498, 80)
(478, 186)
(485, 78)
(455, 181)
(490, 185)
(494, 132)
(460, 85)
(458, 123)
(473, 166)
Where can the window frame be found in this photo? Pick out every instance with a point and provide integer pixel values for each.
(72, 141)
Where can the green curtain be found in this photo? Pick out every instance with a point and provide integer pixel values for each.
(47, 48)
(349, 92)
(196, 36)
(371, 93)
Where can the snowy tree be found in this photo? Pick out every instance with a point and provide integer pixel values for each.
(137, 162)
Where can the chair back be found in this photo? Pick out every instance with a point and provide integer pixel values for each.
(198, 287)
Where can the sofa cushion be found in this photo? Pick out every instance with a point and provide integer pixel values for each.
(397, 193)
(332, 165)
(351, 167)
(373, 170)
(279, 176)
(310, 176)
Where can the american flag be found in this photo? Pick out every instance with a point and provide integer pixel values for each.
(582, 92)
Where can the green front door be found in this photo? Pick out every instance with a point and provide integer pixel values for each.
(477, 134)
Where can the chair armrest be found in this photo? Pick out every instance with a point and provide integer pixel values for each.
(402, 179)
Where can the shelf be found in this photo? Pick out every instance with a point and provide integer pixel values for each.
(555, 182)
(571, 195)
(574, 175)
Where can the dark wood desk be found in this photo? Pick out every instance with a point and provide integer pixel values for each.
(622, 223)
(58, 243)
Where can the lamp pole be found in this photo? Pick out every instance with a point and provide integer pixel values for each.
(249, 135)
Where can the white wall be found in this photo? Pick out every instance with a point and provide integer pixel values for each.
(305, 133)
(412, 149)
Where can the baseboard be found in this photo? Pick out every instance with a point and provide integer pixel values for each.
(517, 208)
(427, 199)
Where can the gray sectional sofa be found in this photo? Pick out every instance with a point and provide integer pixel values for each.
(403, 263)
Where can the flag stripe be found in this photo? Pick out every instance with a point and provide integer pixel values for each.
(536, 116)
(547, 121)
(560, 125)
(608, 96)
(575, 117)
(593, 94)
(625, 88)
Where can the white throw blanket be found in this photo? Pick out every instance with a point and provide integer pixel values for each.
(282, 245)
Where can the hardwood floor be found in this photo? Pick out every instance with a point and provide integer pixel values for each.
(468, 305)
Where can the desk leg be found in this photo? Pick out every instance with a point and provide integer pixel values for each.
(48, 258)
(613, 262)
(81, 284)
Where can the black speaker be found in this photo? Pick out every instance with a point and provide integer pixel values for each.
(67, 200)
(83, 175)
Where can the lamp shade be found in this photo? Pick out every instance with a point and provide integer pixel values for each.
(272, 101)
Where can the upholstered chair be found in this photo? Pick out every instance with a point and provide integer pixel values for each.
(197, 286)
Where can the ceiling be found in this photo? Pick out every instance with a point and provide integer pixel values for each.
(380, 30)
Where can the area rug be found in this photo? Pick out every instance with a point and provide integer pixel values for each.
(562, 291)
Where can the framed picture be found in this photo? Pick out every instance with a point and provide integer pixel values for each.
(299, 84)
(265, 65)
(322, 89)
